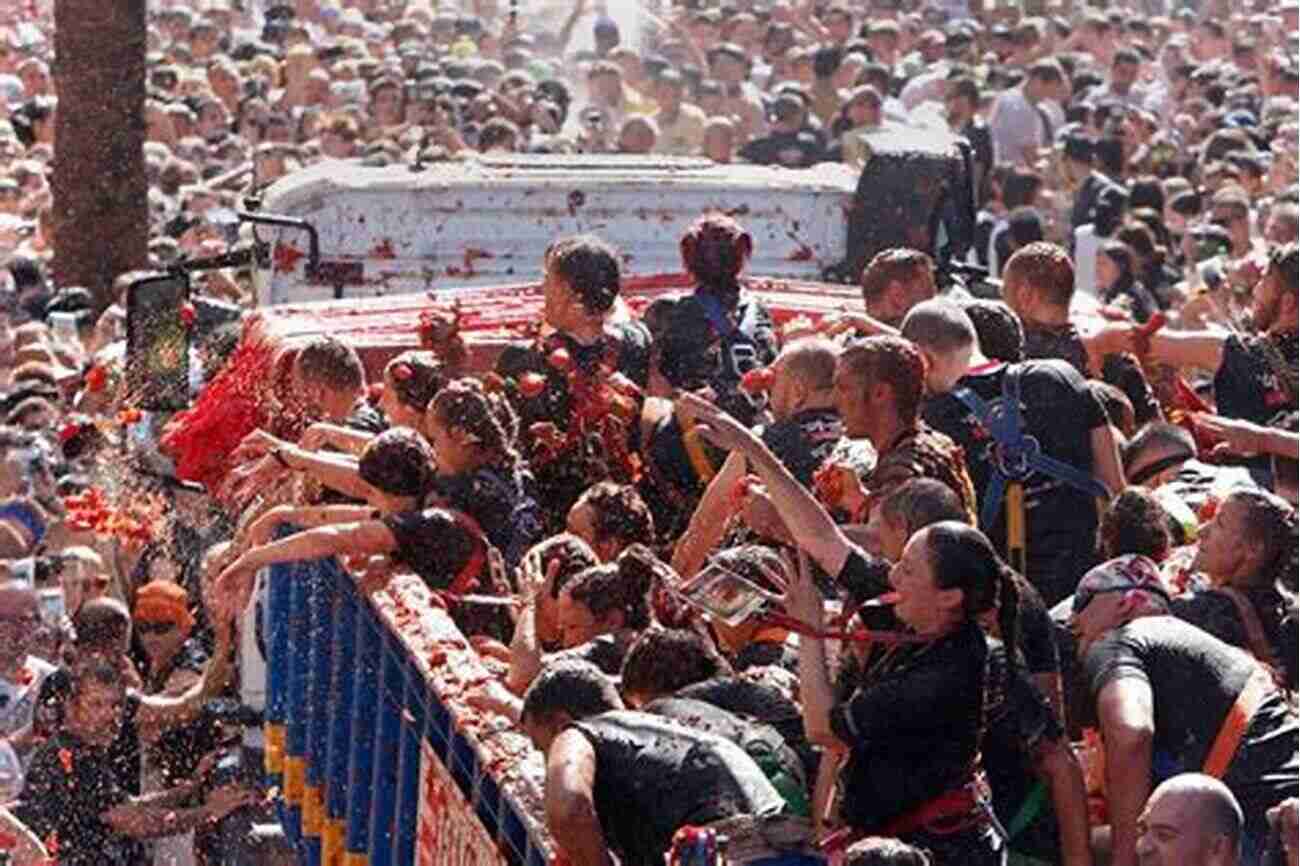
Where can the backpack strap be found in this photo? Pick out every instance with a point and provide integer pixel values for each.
(1017, 455)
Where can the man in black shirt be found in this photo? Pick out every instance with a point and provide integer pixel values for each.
(72, 799)
(1058, 410)
(625, 782)
(1163, 693)
(791, 143)
(1038, 284)
(1255, 373)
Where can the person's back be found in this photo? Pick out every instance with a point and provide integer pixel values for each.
(762, 742)
(1059, 412)
(1195, 680)
(654, 776)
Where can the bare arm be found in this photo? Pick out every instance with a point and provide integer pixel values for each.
(570, 800)
(709, 522)
(336, 471)
(1126, 710)
(1188, 348)
(160, 713)
(804, 516)
(1106, 463)
(1070, 801)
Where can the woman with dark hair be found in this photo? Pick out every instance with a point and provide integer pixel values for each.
(1149, 256)
(913, 720)
(1118, 283)
(1249, 552)
(604, 609)
(715, 250)
(478, 471)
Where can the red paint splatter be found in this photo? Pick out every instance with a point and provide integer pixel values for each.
(383, 250)
(285, 258)
(188, 315)
(802, 253)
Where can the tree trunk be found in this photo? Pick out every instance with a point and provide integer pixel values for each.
(101, 213)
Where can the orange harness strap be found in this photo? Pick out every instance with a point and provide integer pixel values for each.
(1252, 695)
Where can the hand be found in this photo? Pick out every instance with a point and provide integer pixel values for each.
(226, 799)
(714, 424)
(490, 647)
(372, 573)
(207, 764)
(803, 600)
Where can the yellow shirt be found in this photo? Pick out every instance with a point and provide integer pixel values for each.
(685, 135)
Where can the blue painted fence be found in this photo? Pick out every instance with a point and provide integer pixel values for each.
(376, 760)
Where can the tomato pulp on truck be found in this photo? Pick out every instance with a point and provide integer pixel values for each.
(486, 220)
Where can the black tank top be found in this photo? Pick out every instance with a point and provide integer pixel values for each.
(654, 776)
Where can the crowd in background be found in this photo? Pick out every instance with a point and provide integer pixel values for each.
(869, 678)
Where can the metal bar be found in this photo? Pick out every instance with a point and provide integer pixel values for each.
(361, 760)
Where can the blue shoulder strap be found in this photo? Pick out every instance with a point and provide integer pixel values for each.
(1016, 455)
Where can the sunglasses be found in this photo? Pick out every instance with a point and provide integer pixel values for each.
(154, 627)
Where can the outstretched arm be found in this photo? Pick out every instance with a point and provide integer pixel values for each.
(811, 525)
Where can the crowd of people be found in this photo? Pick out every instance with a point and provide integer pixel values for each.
(940, 580)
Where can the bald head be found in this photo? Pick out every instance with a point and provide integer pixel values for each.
(1190, 820)
(804, 377)
(811, 362)
(939, 327)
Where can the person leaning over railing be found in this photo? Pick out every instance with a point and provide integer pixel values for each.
(437, 544)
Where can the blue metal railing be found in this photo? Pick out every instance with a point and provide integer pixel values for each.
(366, 739)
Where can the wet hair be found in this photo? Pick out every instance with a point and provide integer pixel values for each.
(663, 660)
(619, 512)
(921, 502)
(894, 265)
(623, 585)
(1119, 410)
(940, 326)
(398, 461)
(1134, 522)
(101, 622)
(1159, 436)
(961, 557)
(464, 405)
(885, 851)
(331, 362)
(1271, 523)
(714, 250)
(999, 330)
(425, 376)
(1045, 268)
(574, 554)
(572, 686)
(590, 267)
(893, 361)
